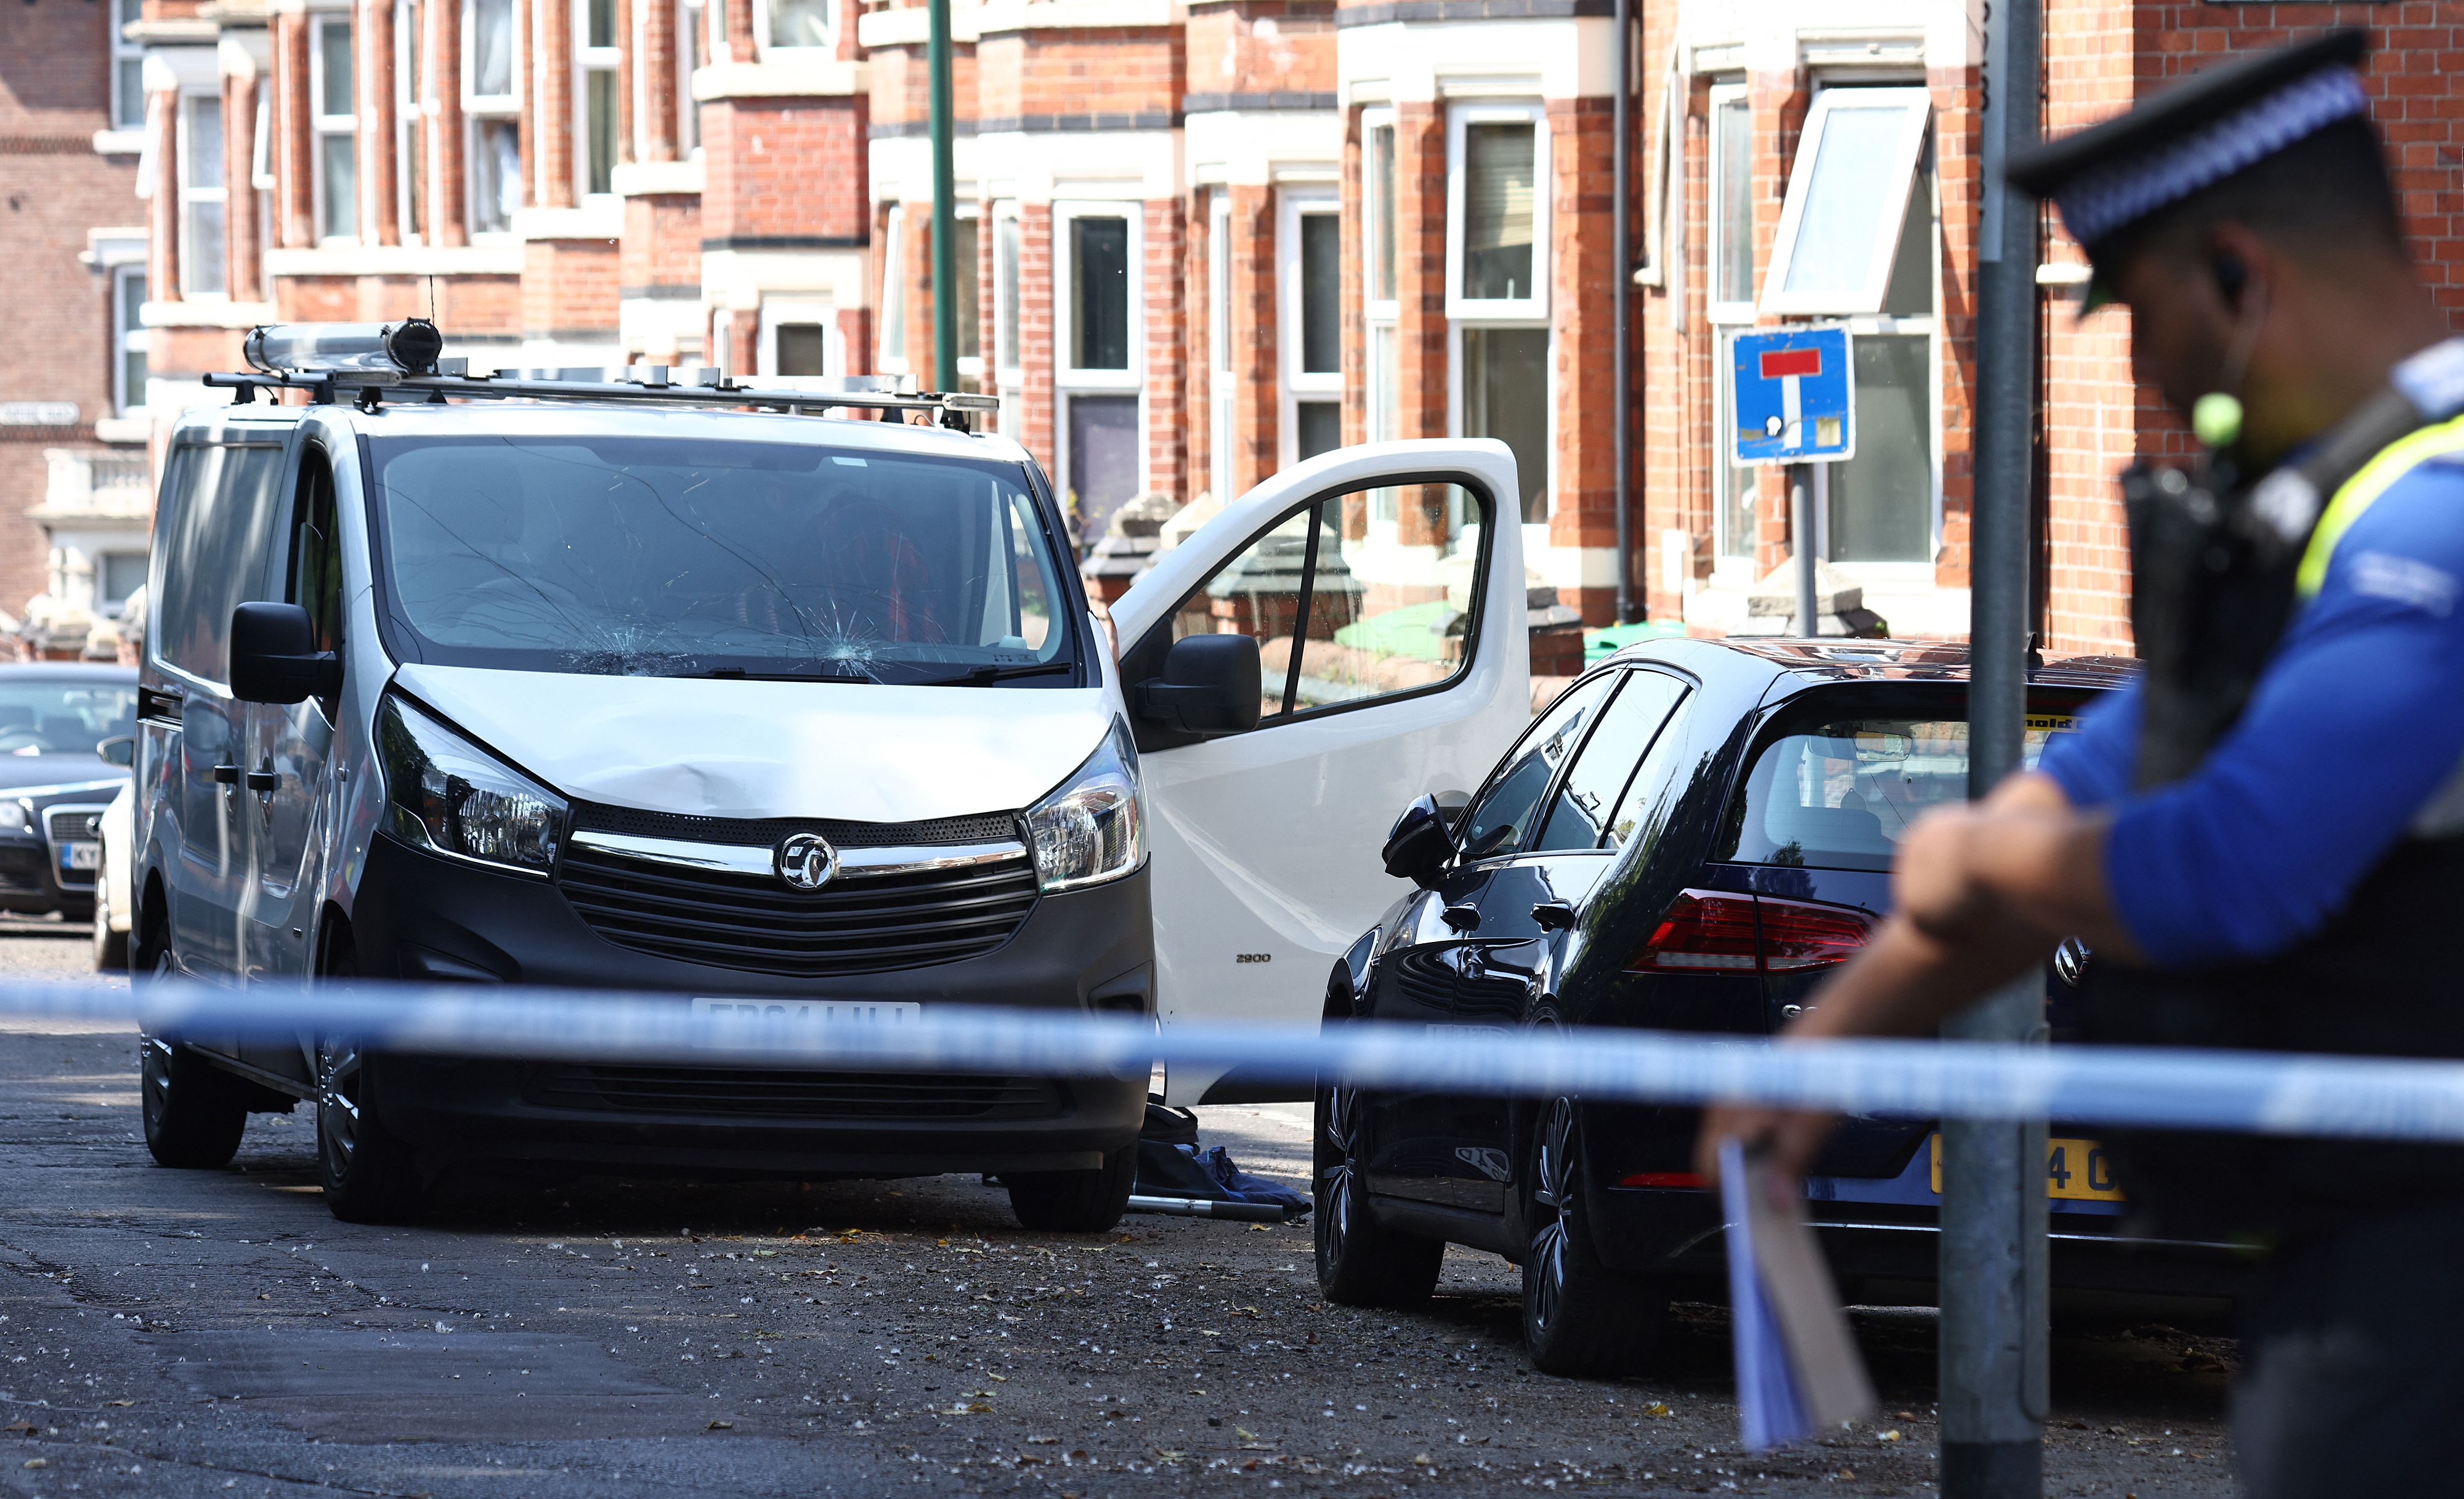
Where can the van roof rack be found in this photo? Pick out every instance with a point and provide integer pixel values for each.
(372, 362)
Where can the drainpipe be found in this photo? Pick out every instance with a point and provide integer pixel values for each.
(1621, 251)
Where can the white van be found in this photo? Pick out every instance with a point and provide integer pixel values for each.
(653, 680)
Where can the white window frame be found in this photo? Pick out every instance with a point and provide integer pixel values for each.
(1715, 242)
(778, 310)
(972, 366)
(408, 119)
(191, 196)
(1064, 297)
(1526, 309)
(1536, 533)
(1867, 299)
(692, 42)
(123, 52)
(1910, 574)
(588, 60)
(323, 126)
(1297, 384)
(1068, 380)
(894, 296)
(480, 110)
(1220, 385)
(762, 44)
(126, 338)
(1380, 315)
(1010, 376)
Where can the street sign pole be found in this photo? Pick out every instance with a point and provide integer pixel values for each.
(945, 202)
(1800, 525)
(1992, 1272)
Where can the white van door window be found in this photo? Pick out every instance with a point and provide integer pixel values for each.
(291, 747)
(220, 540)
(1413, 676)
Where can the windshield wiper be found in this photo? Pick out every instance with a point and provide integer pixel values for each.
(835, 672)
(984, 676)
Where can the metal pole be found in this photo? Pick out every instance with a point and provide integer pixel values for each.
(1800, 543)
(945, 203)
(1992, 1272)
(1621, 255)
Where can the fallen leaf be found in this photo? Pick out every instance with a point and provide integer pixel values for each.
(22, 1428)
(1423, 1460)
(1892, 1435)
(1043, 1442)
(1246, 1435)
(720, 1425)
(1658, 1408)
(37, 1462)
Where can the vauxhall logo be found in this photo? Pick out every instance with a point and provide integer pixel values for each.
(806, 861)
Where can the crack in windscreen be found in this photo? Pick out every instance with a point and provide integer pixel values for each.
(688, 556)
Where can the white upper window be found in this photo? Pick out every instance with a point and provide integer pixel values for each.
(1311, 338)
(1732, 290)
(693, 51)
(491, 146)
(893, 337)
(795, 23)
(201, 195)
(337, 160)
(1497, 211)
(127, 68)
(410, 125)
(128, 341)
(1839, 227)
(596, 63)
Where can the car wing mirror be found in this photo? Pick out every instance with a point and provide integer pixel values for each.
(121, 749)
(275, 659)
(1211, 686)
(1420, 844)
(1553, 915)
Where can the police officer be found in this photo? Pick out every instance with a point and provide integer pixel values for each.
(2263, 841)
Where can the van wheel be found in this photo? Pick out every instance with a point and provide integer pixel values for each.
(194, 1111)
(1360, 1264)
(369, 1173)
(1581, 1318)
(1074, 1202)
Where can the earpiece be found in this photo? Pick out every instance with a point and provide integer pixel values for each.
(2231, 276)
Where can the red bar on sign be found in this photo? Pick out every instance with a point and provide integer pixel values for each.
(1780, 363)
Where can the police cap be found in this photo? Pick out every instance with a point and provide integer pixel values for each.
(2122, 172)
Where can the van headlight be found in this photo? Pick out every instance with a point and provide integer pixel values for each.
(445, 793)
(1092, 829)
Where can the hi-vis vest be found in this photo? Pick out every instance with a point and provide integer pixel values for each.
(2215, 581)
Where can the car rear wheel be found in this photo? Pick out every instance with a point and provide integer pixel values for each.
(1074, 1202)
(1581, 1318)
(1360, 1263)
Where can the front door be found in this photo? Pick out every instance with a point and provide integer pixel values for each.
(1389, 609)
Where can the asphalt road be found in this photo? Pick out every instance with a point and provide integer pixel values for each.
(169, 1333)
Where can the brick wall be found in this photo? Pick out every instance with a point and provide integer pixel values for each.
(569, 289)
(785, 167)
(1250, 47)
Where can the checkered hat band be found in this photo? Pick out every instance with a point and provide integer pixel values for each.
(2100, 201)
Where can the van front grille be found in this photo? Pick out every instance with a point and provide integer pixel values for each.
(755, 924)
(741, 1093)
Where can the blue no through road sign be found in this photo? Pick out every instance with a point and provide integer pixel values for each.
(1794, 396)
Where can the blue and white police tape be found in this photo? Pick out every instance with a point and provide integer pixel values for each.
(2263, 1093)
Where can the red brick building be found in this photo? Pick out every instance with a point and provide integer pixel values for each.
(72, 465)
(1202, 239)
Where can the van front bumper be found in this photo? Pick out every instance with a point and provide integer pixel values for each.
(423, 918)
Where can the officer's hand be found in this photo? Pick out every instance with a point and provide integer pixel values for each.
(1792, 1136)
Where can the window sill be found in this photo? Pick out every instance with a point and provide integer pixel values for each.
(130, 141)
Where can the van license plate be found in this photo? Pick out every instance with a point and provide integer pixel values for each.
(81, 856)
(2075, 1169)
(827, 1012)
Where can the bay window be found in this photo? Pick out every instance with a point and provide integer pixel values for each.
(203, 197)
(595, 60)
(1219, 386)
(409, 123)
(692, 49)
(1496, 296)
(1378, 284)
(891, 343)
(1005, 356)
(1730, 302)
(128, 341)
(127, 67)
(1309, 237)
(493, 135)
(964, 246)
(337, 129)
(779, 24)
(1103, 459)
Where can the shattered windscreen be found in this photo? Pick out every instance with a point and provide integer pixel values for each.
(683, 556)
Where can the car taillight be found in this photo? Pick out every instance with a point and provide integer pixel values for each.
(1704, 932)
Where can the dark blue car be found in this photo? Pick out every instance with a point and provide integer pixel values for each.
(1690, 838)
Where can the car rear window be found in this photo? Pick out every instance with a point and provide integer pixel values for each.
(1840, 794)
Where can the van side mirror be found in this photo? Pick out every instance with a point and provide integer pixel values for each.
(1420, 844)
(1211, 686)
(275, 659)
(121, 749)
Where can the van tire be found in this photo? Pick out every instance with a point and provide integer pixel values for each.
(1074, 1202)
(1360, 1262)
(194, 1111)
(1581, 1319)
(369, 1174)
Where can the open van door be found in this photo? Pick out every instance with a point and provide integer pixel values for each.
(1384, 587)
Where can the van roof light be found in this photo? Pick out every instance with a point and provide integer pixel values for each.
(408, 347)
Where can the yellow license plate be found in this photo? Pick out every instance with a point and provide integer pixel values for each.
(2074, 1168)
